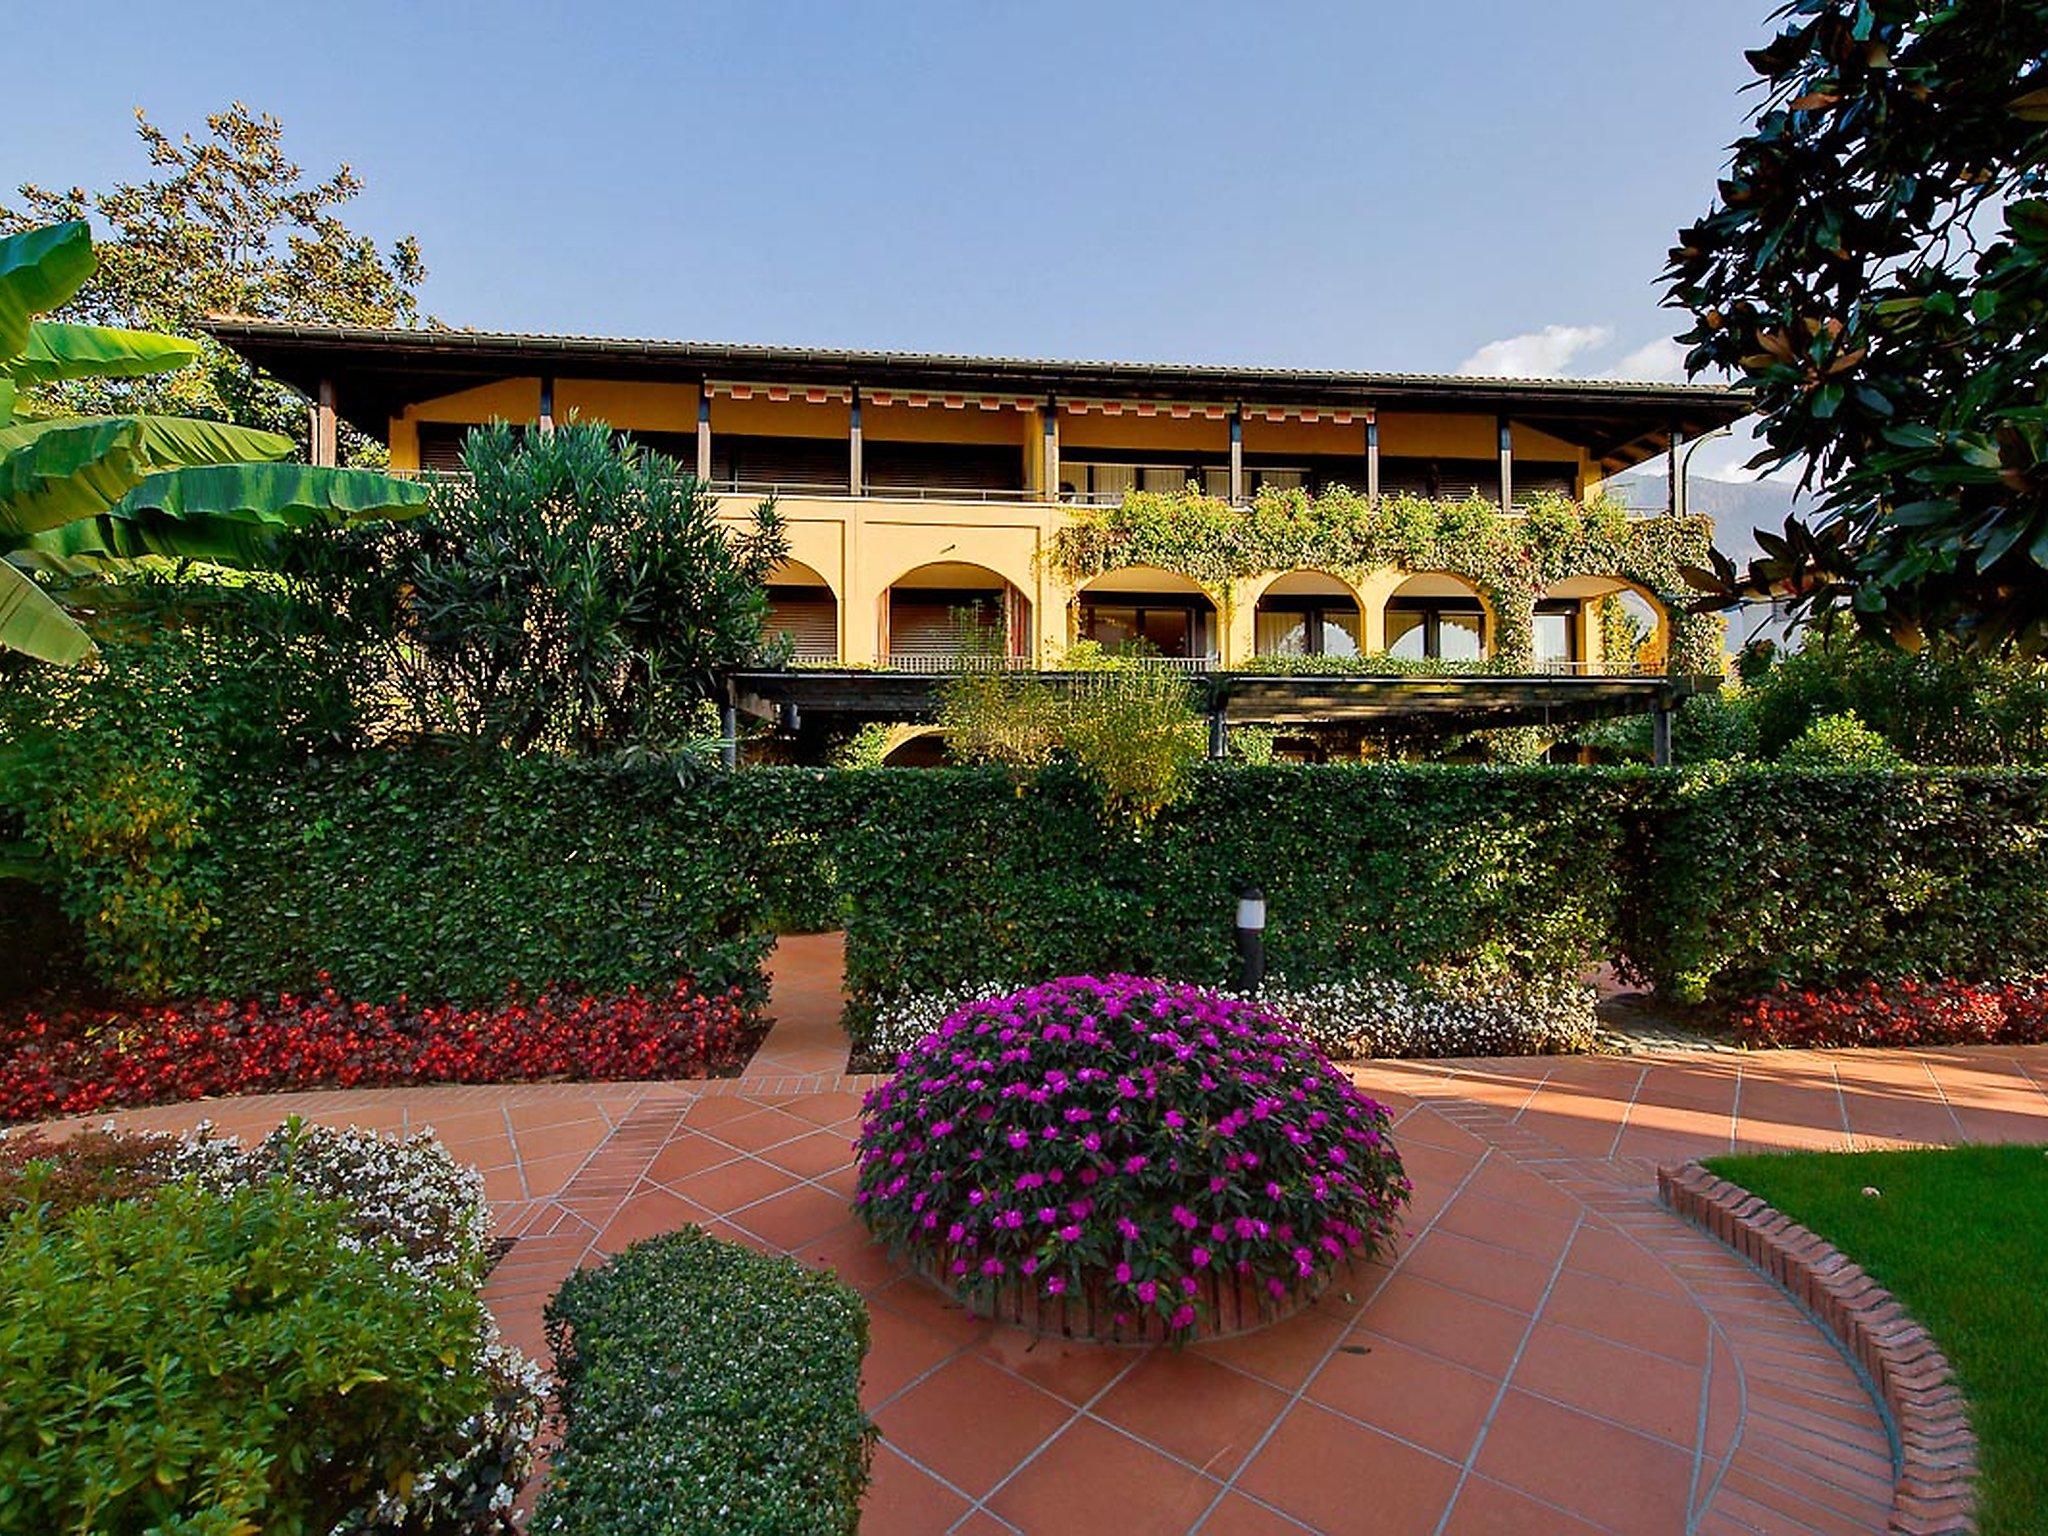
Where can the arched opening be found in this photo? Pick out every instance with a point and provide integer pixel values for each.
(1437, 617)
(1143, 609)
(801, 606)
(921, 749)
(1600, 624)
(1308, 613)
(934, 614)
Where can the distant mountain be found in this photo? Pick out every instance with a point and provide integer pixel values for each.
(1738, 507)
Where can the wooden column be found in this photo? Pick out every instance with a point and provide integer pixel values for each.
(1237, 456)
(1372, 455)
(1049, 442)
(704, 433)
(1507, 464)
(1660, 735)
(323, 438)
(1674, 479)
(547, 402)
(854, 476)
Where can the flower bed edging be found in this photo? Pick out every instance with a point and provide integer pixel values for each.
(1934, 1492)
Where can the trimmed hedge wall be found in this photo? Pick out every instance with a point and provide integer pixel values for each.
(452, 877)
(709, 1391)
(1755, 877)
(965, 875)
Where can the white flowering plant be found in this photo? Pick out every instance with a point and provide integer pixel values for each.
(1453, 1014)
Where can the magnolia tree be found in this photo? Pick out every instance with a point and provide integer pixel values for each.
(1876, 267)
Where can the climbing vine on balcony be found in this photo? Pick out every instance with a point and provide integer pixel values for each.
(1510, 559)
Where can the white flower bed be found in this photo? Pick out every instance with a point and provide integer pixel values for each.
(1375, 1016)
(412, 1192)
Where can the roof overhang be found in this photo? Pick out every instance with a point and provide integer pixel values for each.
(376, 373)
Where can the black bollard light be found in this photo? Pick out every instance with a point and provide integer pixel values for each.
(1251, 939)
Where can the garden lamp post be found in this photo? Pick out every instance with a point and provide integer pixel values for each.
(1251, 939)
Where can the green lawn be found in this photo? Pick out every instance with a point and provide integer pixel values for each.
(1960, 1236)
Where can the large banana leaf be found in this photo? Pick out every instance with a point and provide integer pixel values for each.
(60, 351)
(32, 623)
(52, 472)
(290, 493)
(39, 270)
(227, 514)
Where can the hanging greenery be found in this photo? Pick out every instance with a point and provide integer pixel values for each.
(1510, 558)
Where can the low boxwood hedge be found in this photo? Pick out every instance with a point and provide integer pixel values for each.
(709, 1391)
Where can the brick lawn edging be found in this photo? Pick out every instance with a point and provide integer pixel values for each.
(1934, 1493)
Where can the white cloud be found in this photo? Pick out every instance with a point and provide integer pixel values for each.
(1543, 354)
(1658, 362)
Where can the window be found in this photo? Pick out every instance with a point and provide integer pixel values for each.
(1557, 633)
(1436, 629)
(1307, 627)
(1157, 624)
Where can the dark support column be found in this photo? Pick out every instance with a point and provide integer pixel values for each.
(1219, 732)
(1660, 736)
(855, 478)
(1236, 455)
(1372, 455)
(704, 433)
(729, 730)
(1674, 497)
(1049, 446)
(323, 445)
(547, 402)
(1507, 464)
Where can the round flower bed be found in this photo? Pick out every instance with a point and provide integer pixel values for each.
(1125, 1159)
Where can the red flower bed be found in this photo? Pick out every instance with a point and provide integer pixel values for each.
(1900, 1013)
(78, 1063)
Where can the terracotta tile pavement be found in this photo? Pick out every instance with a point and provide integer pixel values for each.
(1548, 1350)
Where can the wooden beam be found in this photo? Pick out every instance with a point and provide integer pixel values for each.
(323, 444)
(704, 433)
(1506, 433)
(854, 476)
(1236, 455)
(1049, 447)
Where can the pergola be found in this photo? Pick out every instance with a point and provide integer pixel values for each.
(1462, 702)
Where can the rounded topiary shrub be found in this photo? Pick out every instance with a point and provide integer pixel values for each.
(1126, 1159)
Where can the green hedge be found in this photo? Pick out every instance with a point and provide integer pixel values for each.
(192, 1361)
(452, 877)
(709, 1391)
(1758, 876)
(965, 875)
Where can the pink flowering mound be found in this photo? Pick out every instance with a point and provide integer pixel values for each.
(1121, 1158)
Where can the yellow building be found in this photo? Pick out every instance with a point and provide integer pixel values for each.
(914, 486)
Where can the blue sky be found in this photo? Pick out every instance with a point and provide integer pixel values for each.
(1488, 184)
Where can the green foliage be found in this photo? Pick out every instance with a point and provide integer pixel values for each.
(962, 875)
(1755, 876)
(226, 224)
(1960, 1236)
(1128, 724)
(709, 1391)
(574, 593)
(1876, 267)
(1940, 706)
(79, 492)
(1841, 741)
(1510, 558)
(454, 876)
(219, 1363)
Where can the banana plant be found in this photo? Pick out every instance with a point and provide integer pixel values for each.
(84, 493)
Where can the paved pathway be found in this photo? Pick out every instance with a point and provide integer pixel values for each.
(1548, 1351)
